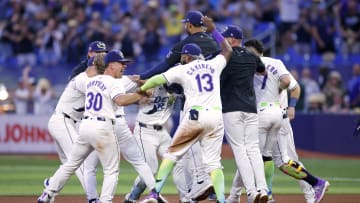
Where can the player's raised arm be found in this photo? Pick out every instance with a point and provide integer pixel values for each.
(211, 28)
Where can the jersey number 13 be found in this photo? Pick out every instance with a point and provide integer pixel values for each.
(204, 82)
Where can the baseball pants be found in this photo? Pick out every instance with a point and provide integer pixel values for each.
(131, 152)
(270, 119)
(153, 143)
(63, 131)
(98, 135)
(242, 134)
(285, 150)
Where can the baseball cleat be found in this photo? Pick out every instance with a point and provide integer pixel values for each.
(151, 198)
(253, 198)
(233, 199)
(44, 198)
(263, 198)
(320, 188)
(212, 197)
(128, 200)
(201, 190)
(94, 201)
(161, 199)
(271, 199)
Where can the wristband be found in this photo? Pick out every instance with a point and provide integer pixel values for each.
(217, 36)
(293, 102)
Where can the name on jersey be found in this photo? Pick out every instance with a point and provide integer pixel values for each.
(202, 66)
(272, 69)
(96, 83)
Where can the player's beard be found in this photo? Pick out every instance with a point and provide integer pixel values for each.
(183, 61)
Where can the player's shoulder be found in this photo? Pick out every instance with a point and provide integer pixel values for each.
(198, 37)
(271, 61)
(80, 77)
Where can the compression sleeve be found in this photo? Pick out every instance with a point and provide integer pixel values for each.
(160, 68)
(153, 82)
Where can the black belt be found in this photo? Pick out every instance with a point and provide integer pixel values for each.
(285, 116)
(155, 127)
(118, 116)
(99, 119)
(69, 117)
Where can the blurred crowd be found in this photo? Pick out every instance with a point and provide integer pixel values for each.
(53, 32)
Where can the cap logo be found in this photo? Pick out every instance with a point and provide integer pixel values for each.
(121, 54)
(101, 45)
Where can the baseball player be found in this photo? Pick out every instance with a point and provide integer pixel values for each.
(131, 154)
(94, 48)
(68, 112)
(202, 120)
(283, 150)
(194, 27)
(285, 145)
(151, 134)
(96, 131)
(268, 97)
(240, 114)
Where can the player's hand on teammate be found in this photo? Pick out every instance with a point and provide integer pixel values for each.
(209, 24)
(291, 112)
(146, 93)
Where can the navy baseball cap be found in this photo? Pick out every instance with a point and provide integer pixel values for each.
(97, 46)
(194, 17)
(115, 56)
(91, 61)
(233, 31)
(191, 49)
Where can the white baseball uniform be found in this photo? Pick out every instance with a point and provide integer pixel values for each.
(268, 103)
(150, 133)
(200, 81)
(62, 124)
(283, 151)
(96, 131)
(125, 139)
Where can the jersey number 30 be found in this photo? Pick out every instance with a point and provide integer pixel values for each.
(94, 101)
(204, 82)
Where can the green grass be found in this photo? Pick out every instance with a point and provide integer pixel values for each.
(24, 175)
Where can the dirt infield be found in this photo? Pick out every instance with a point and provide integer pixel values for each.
(174, 199)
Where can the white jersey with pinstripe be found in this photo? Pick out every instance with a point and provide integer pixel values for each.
(72, 99)
(267, 87)
(200, 81)
(100, 92)
(268, 98)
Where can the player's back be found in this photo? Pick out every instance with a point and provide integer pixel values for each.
(72, 99)
(267, 86)
(100, 91)
(200, 80)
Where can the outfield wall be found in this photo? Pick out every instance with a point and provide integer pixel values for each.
(327, 133)
(323, 133)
